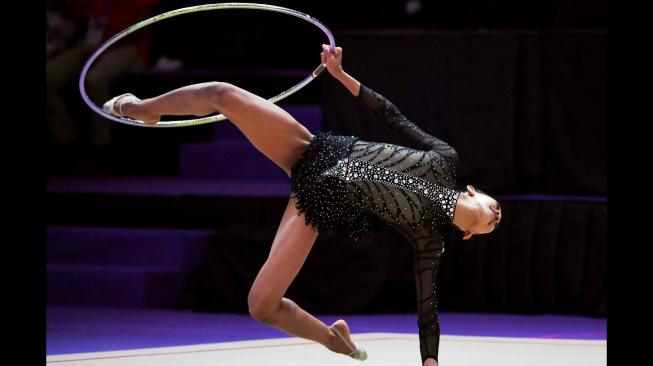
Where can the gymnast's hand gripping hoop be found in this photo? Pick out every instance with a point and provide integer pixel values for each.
(192, 9)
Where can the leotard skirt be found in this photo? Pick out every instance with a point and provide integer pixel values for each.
(324, 200)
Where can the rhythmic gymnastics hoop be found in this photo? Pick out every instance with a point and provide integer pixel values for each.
(192, 9)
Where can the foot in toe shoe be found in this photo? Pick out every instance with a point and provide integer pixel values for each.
(341, 330)
(110, 106)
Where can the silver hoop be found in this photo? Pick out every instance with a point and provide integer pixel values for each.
(192, 9)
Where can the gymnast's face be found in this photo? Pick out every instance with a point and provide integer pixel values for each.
(487, 210)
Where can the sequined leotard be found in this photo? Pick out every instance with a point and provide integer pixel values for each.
(340, 181)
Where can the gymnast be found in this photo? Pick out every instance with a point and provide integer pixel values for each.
(339, 183)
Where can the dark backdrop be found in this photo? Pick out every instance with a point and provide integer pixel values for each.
(526, 110)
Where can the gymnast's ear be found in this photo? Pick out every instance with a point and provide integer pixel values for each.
(468, 235)
(471, 190)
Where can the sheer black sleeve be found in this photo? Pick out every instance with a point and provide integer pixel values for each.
(390, 115)
(428, 246)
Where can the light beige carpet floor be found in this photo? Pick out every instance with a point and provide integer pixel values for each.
(383, 349)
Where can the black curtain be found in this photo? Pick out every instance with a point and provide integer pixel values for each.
(525, 110)
(546, 257)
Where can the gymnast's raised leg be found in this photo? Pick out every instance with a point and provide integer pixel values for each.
(269, 128)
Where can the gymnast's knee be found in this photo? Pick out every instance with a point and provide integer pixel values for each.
(262, 309)
(219, 93)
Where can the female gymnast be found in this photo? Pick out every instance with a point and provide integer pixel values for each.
(338, 183)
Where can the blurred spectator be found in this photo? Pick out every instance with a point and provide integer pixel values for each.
(61, 29)
(75, 29)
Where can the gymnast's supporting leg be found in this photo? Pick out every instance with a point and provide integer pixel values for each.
(292, 243)
(282, 139)
(269, 128)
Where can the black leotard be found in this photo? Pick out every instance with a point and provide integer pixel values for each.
(342, 180)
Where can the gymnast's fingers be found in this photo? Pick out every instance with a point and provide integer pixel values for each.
(338, 52)
(327, 49)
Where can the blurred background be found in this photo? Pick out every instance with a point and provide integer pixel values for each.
(182, 219)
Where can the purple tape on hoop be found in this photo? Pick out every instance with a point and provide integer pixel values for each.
(192, 9)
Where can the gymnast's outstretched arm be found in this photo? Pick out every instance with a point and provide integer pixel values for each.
(384, 110)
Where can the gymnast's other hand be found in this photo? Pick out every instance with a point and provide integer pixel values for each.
(430, 362)
(333, 61)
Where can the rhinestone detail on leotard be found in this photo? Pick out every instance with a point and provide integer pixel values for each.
(352, 169)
